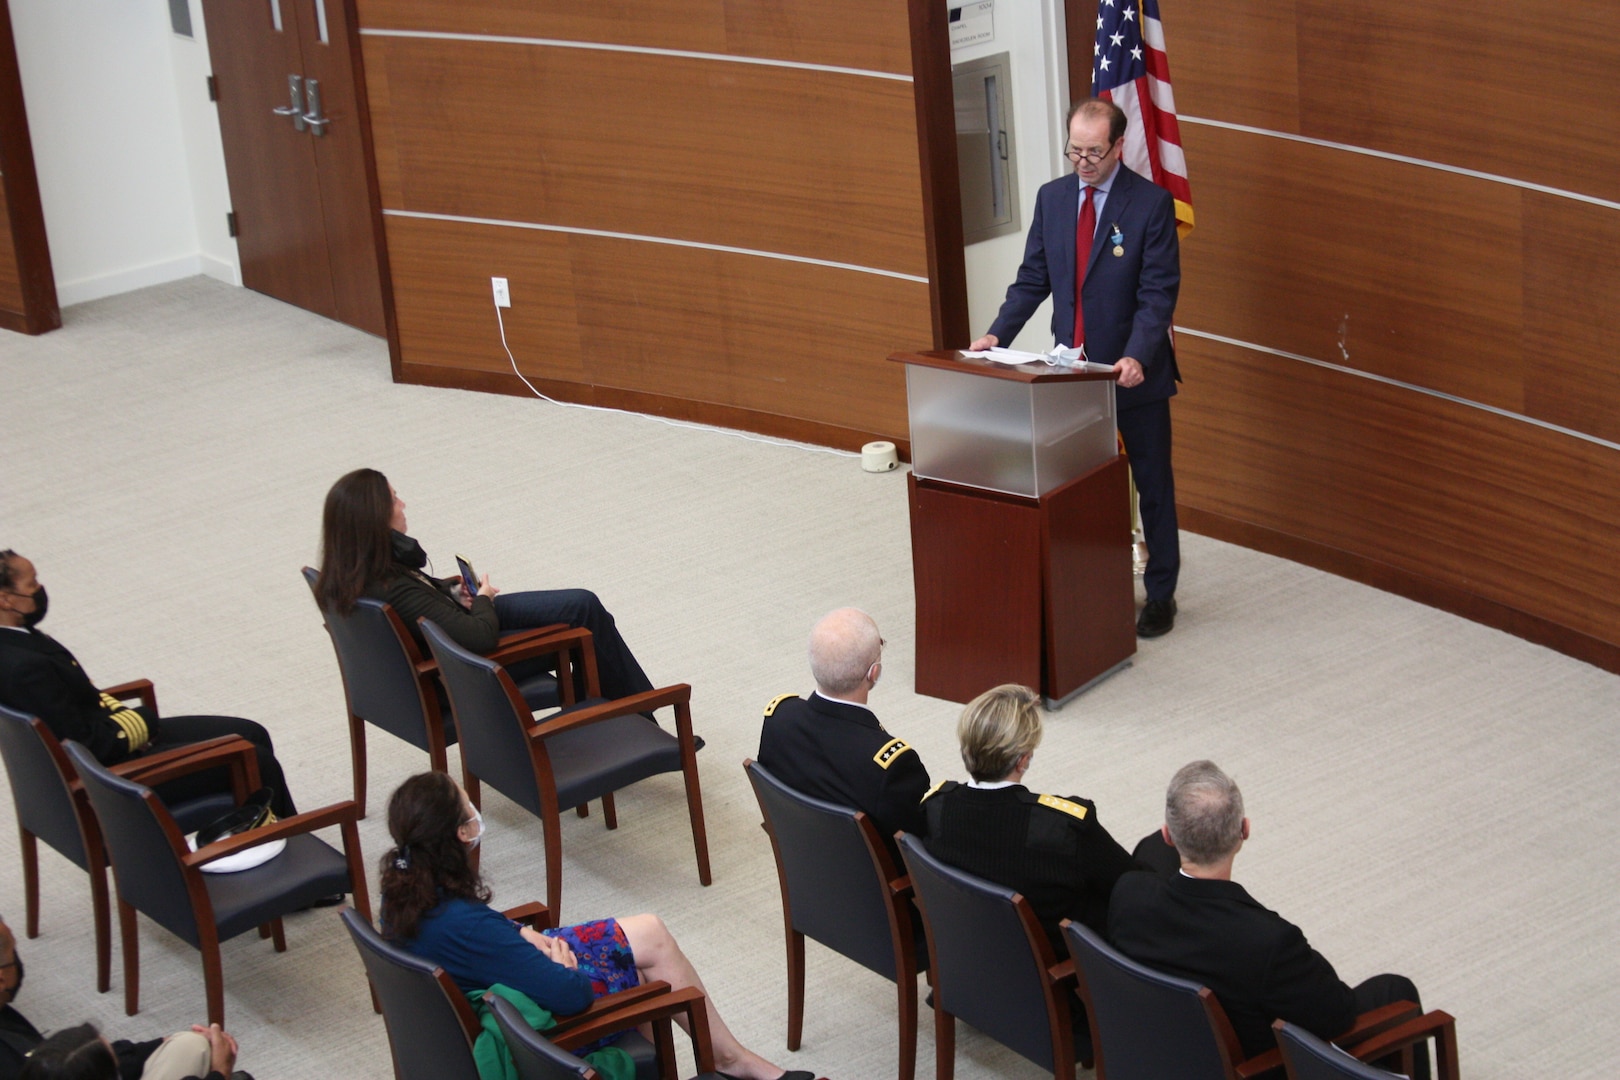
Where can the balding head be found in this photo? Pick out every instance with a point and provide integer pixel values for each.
(845, 648)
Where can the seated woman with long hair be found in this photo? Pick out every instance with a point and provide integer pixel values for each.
(365, 551)
(435, 905)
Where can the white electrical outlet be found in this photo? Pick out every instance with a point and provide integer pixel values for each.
(503, 295)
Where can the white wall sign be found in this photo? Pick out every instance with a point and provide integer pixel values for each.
(972, 23)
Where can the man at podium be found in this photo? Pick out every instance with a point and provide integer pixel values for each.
(1116, 299)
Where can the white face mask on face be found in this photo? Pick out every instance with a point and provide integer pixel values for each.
(478, 837)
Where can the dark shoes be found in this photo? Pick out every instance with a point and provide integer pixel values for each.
(1157, 619)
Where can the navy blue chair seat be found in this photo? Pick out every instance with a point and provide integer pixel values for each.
(1307, 1057)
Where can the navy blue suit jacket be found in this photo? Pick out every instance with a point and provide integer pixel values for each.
(1129, 298)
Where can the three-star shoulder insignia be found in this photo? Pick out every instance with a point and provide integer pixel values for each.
(890, 750)
(1073, 809)
(775, 701)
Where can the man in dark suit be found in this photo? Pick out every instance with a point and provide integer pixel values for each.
(40, 677)
(1127, 296)
(830, 746)
(1200, 924)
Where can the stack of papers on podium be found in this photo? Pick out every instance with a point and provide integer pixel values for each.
(1058, 357)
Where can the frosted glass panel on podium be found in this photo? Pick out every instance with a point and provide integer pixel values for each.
(1006, 435)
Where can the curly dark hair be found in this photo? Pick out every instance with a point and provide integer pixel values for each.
(7, 570)
(428, 863)
(356, 541)
(75, 1053)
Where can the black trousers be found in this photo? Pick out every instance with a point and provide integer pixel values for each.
(1146, 431)
(174, 731)
(1384, 990)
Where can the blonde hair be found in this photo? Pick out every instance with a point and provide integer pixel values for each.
(997, 728)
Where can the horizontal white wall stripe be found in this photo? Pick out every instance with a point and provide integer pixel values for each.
(1440, 166)
(1387, 381)
(654, 240)
(645, 50)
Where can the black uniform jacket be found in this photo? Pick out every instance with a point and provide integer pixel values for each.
(40, 677)
(1054, 851)
(1257, 963)
(839, 752)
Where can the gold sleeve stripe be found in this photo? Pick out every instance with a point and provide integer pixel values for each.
(770, 709)
(130, 722)
(1073, 809)
(890, 750)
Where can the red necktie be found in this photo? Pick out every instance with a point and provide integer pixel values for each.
(1084, 231)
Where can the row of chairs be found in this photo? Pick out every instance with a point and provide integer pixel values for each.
(589, 750)
(990, 963)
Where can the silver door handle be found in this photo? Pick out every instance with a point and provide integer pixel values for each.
(312, 94)
(295, 93)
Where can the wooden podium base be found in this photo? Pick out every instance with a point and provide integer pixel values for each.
(1019, 590)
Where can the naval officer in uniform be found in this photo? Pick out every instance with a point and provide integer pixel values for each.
(831, 746)
(1052, 850)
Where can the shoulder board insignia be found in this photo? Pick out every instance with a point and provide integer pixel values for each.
(775, 701)
(1073, 809)
(891, 750)
(930, 792)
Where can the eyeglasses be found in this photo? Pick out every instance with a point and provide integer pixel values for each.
(1091, 157)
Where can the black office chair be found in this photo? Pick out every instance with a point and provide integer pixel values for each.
(1146, 1025)
(839, 887)
(1310, 1058)
(536, 1057)
(993, 967)
(432, 1027)
(159, 876)
(389, 684)
(52, 806)
(584, 752)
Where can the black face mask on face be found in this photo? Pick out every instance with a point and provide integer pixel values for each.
(41, 603)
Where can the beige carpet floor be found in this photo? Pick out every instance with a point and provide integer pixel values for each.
(1428, 796)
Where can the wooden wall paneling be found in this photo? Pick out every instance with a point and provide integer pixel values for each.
(1236, 61)
(1457, 503)
(28, 252)
(1522, 88)
(1572, 314)
(1388, 267)
(775, 159)
(935, 127)
(11, 294)
(764, 336)
(867, 34)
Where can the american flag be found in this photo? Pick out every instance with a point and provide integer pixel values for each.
(1129, 68)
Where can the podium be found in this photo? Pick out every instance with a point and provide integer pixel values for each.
(1020, 527)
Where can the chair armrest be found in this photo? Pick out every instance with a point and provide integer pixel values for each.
(534, 914)
(901, 886)
(1438, 1025)
(232, 750)
(680, 693)
(1260, 1064)
(134, 768)
(342, 813)
(135, 688)
(1061, 973)
(554, 639)
(1376, 1022)
(639, 1005)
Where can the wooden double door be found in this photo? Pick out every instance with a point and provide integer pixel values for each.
(288, 92)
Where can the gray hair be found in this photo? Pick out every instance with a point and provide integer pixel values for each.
(843, 647)
(997, 728)
(1203, 809)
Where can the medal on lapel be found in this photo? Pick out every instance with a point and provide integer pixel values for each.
(1117, 238)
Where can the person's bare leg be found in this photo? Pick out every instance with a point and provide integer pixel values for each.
(658, 956)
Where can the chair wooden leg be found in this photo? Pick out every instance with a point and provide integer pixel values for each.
(102, 914)
(264, 931)
(131, 945)
(357, 753)
(944, 1042)
(214, 982)
(795, 974)
(907, 989)
(278, 935)
(694, 793)
(1445, 1052)
(610, 811)
(583, 809)
(664, 1042)
(552, 828)
(30, 861)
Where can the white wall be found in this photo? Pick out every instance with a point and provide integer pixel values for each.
(125, 169)
(1031, 33)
